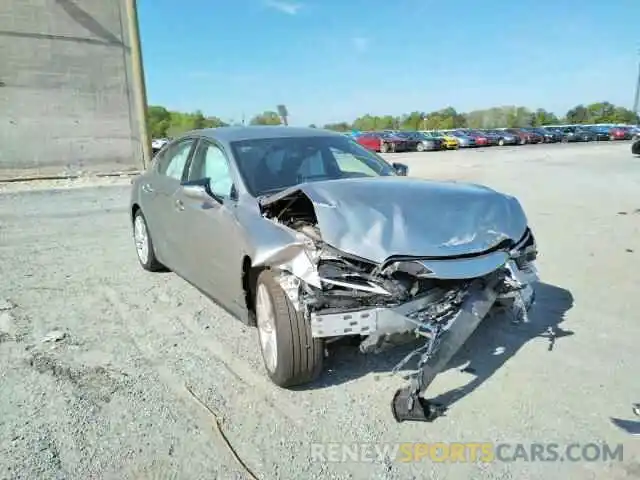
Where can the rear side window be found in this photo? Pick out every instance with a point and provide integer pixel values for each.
(175, 158)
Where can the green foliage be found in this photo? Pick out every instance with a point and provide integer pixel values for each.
(601, 112)
(163, 123)
(267, 118)
(338, 127)
(166, 123)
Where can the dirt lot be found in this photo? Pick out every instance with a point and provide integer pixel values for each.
(96, 356)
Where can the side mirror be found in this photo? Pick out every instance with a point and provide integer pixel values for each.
(401, 169)
(196, 192)
(199, 190)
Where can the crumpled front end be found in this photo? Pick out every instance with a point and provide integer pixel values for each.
(438, 299)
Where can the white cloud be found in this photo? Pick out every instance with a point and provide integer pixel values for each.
(290, 8)
(360, 43)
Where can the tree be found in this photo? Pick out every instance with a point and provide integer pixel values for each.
(266, 118)
(159, 121)
(312, 125)
(541, 117)
(444, 119)
(338, 127)
(412, 121)
(578, 114)
(198, 120)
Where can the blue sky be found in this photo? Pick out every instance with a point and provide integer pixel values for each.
(333, 60)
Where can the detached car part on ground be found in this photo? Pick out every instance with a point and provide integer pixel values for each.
(369, 258)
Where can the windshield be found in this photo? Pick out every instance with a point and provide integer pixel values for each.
(272, 164)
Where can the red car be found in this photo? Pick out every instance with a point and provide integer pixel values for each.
(381, 142)
(481, 140)
(620, 133)
(526, 136)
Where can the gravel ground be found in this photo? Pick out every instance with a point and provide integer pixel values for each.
(97, 356)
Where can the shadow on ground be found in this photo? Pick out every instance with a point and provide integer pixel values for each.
(496, 340)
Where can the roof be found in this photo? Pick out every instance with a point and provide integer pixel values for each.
(254, 132)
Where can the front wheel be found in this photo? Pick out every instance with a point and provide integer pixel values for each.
(291, 355)
(420, 147)
(501, 142)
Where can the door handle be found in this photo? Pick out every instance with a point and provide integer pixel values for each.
(179, 205)
(146, 188)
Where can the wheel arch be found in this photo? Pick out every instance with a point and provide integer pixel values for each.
(249, 276)
(134, 209)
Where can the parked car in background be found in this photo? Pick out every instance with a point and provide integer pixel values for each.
(480, 140)
(424, 143)
(601, 132)
(385, 142)
(449, 142)
(620, 133)
(532, 135)
(504, 138)
(547, 136)
(522, 136)
(465, 141)
(559, 132)
(492, 139)
(578, 134)
(157, 144)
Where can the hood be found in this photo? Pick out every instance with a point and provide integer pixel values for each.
(376, 218)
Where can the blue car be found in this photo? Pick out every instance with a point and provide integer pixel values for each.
(601, 132)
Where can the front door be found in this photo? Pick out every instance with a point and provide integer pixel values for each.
(209, 231)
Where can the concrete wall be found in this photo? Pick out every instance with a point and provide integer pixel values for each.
(66, 102)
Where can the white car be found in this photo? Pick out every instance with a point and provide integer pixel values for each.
(158, 143)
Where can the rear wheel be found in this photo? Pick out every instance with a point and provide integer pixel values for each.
(420, 147)
(144, 244)
(291, 355)
(501, 142)
(384, 148)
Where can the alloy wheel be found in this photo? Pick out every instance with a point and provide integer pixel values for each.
(266, 323)
(141, 239)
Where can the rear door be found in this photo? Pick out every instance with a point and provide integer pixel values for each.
(166, 186)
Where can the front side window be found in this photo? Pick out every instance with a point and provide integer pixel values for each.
(211, 163)
(272, 164)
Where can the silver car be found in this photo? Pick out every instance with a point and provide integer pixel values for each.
(312, 237)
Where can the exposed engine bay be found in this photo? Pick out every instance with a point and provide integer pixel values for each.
(441, 300)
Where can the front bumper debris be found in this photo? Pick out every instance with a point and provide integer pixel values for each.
(408, 403)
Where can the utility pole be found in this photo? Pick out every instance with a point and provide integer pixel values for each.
(636, 101)
(139, 87)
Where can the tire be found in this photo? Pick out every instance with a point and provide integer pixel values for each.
(501, 142)
(384, 147)
(611, 138)
(298, 356)
(420, 147)
(144, 245)
(522, 141)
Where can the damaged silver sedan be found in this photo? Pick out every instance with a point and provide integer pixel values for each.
(310, 237)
